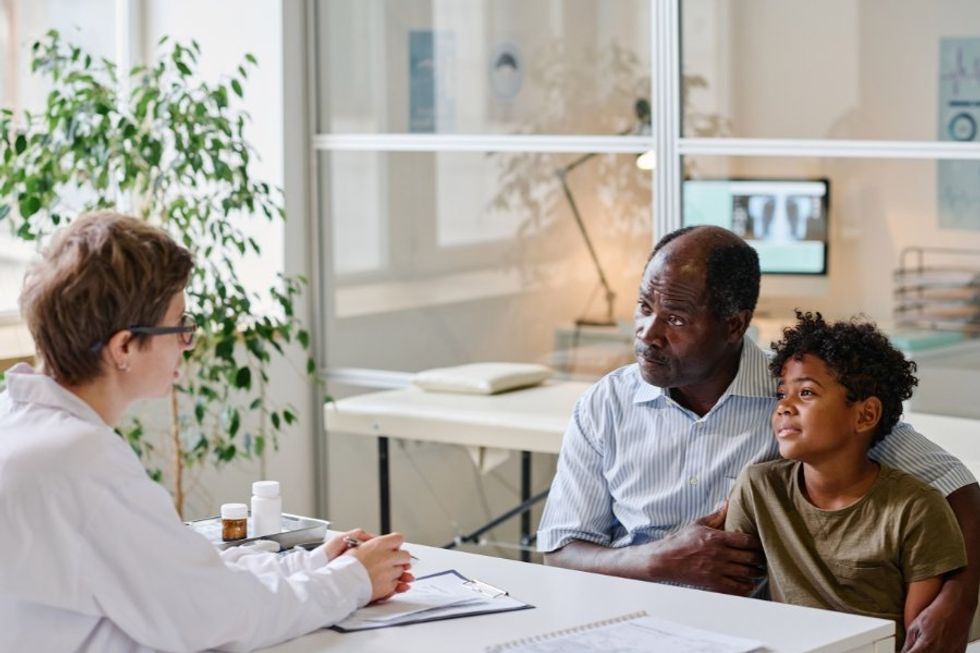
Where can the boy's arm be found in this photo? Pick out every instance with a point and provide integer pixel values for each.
(740, 518)
(920, 594)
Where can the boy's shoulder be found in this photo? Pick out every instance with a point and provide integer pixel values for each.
(779, 470)
(902, 487)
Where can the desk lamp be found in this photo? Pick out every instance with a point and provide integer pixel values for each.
(642, 110)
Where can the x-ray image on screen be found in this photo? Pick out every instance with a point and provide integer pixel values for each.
(785, 220)
(778, 218)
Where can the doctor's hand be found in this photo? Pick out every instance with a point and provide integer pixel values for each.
(338, 545)
(387, 564)
(704, 555)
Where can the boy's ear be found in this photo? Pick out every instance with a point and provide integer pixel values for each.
(869, 414)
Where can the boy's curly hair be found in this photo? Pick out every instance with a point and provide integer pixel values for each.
(859, 355)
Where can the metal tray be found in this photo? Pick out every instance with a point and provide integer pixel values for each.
(296, 531)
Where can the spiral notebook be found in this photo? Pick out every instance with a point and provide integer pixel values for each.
(636, 632)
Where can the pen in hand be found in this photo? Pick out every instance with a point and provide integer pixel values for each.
(353, 543)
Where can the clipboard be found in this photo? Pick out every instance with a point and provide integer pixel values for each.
(443, 595)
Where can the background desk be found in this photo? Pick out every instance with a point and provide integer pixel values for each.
(565, 598)
(529, 420)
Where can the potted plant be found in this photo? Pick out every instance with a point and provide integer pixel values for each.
(172, 148)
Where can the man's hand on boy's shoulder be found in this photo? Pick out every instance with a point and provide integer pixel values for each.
(704, 555)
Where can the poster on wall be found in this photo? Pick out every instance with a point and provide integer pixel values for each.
(432, 104)
(958, 182)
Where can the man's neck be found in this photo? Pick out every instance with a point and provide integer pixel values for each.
(702, 397)
(838, 481)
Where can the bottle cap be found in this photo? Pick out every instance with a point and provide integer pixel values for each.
(234, 511)
(267, 489)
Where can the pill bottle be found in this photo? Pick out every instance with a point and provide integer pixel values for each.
(266, 508)
(234, 521)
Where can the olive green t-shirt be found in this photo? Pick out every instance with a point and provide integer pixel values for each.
(858, 559)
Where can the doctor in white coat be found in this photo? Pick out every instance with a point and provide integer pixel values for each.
(93, 556)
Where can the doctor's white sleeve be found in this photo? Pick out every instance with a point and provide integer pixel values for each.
(167, 588)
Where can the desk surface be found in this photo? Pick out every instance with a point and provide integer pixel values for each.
(565, 599)
(533, 419)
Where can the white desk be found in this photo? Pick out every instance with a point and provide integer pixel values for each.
(528, 420)
(565, 598)
(532, 419)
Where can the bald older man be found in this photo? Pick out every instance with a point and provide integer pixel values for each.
(654, 447)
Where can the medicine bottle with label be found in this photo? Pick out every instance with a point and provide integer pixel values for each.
(234, 521)
(266, 508)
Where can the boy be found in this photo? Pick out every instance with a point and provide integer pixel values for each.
(840, 531)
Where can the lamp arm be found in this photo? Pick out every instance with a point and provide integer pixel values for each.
(610, 295)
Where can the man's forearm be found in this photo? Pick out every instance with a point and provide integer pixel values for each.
(962, 587)
(586, 556)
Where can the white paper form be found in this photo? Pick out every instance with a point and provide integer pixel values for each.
(438, 596)
(634, 634)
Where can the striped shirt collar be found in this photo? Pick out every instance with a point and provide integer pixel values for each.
(752, 379)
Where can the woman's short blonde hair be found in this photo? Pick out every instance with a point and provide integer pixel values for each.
(100, 274)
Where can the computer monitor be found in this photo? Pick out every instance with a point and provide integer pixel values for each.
(785, 220)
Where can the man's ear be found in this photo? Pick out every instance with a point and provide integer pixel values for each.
(738, 324)
(117, 351)
(869, 414)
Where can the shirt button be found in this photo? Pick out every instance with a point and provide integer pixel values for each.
(693, 480)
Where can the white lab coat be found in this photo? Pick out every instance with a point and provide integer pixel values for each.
(93, 556)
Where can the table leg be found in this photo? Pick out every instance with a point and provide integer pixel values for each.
(525, 495)
(384, 488)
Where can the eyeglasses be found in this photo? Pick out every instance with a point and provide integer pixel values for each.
(186, 331)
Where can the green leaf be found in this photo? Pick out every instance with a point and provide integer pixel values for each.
(237, 87)
(28, 205)
(234, 423)
(24, 232)
(310, 366)
(259, 445)
(276, 423)
(4, 211)
(249, 57)
(199, 412)
(288, 416)
(225, 348)
(226, 454)
(20, 144)
(304, 338)
(243, 378)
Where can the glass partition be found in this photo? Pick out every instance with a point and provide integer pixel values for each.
(876, 209)
(482, 66)
(476, 256)
(837, 69)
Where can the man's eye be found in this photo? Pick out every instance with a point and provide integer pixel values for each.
(643, 307)
(806, 392)
(780, 395)
(675, 320)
